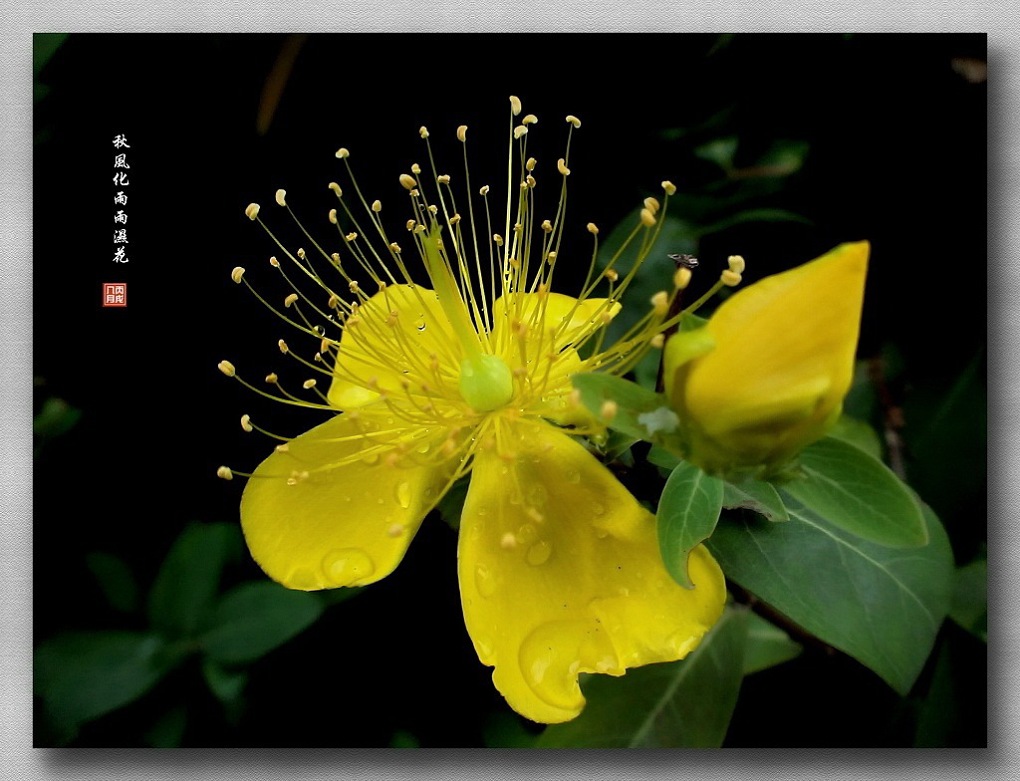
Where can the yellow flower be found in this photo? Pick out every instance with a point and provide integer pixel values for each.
(559, 566)
(767, 374)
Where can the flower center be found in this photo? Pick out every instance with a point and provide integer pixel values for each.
(486, 382)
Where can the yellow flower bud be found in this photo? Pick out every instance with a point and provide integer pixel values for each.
(766, 376)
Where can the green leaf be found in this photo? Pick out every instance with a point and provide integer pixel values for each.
(685, 704)
(116, 581)
(506, 730)
(56, 417)
(640, 413)
(227, 684)
(767, 645)
(688, 512)
(254, 618)
(719, 151)
(190, 576)
(859, 434)
(168, 731)
(882, 606)
(44, 46)
(755, 495)
(83, 675)
(663, 459)
(751, 215)
(858, 493)
(970, 598)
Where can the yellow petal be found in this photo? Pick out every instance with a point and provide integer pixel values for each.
(396, 330)
(334, 509)
(782, 362)
(560, 574)
(561, 319)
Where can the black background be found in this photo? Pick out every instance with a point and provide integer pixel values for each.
(897, 156)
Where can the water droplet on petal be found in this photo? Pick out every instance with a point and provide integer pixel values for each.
(573, 476)
(485, 580)
(681, 643)
(537, 494)
(597, 509)
(404, 494)
(345, 566)
(420, 324)
(424, 448)
(538, 553)
(371, 457)
(527, 534)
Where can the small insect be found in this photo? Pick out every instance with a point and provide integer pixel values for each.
(688, 261)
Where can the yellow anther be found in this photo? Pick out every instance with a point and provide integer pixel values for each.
(647, 218)
(377, 206)
(237, 274)
(408, 181)
(226, 367)
(660, 302)
(252, 211)
(336, 188)
(730, 278)
(547, 226)
(443, 178)
(332, 216)
(281, 197)
(462, 132)
(423, 132)
(308, 384)
(530, 165)
(611, 274)
(395, 247)
(593, 228)
(508, 541)
(342, 153)
(652, 205)
(529, 119)
(515, 105)
(271, 378)
(657, 341)
(333, 302)
(498, 239)
(291, 299)
(551, 256)
(324, 345)
(484, 190)
(415, 169)
(283, 346)
(283, 447)
(352, 236)
(682, 278)
(573, 121)
(433, 209)
(530, 180)
(574, 399)
(274, 262)
(455, 219)
(606, 317)
(561, 166)
(520, 130)
(410, 225)
(608, 410)
(520, 329)
(224, 473)
(668, 187)
(736, 263)
(246, 423)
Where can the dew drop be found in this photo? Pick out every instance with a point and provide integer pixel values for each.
(371, 457)
(485, 581)
(574, 477)
(424, 448)
(538, 553)
(527, 534)
(404, 494)
(537, 494)
(420, 324)
(345, 566)
(598, 509)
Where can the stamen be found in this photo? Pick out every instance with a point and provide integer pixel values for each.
(252, 211)
(281, 197)
(246, 423)
(682, 278)
(423, 132)
(408, 181)
(573, 121)
(647, 218)
(593, 228)
(515, 105)
(292, 298)
(668, 187)
(561, 166)
(225, 473)
(462, 133)
(237, 274)
(342, 153)
(730, 278)
(227, 368)
(736, 264)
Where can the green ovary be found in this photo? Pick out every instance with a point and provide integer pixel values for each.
(486, 382)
